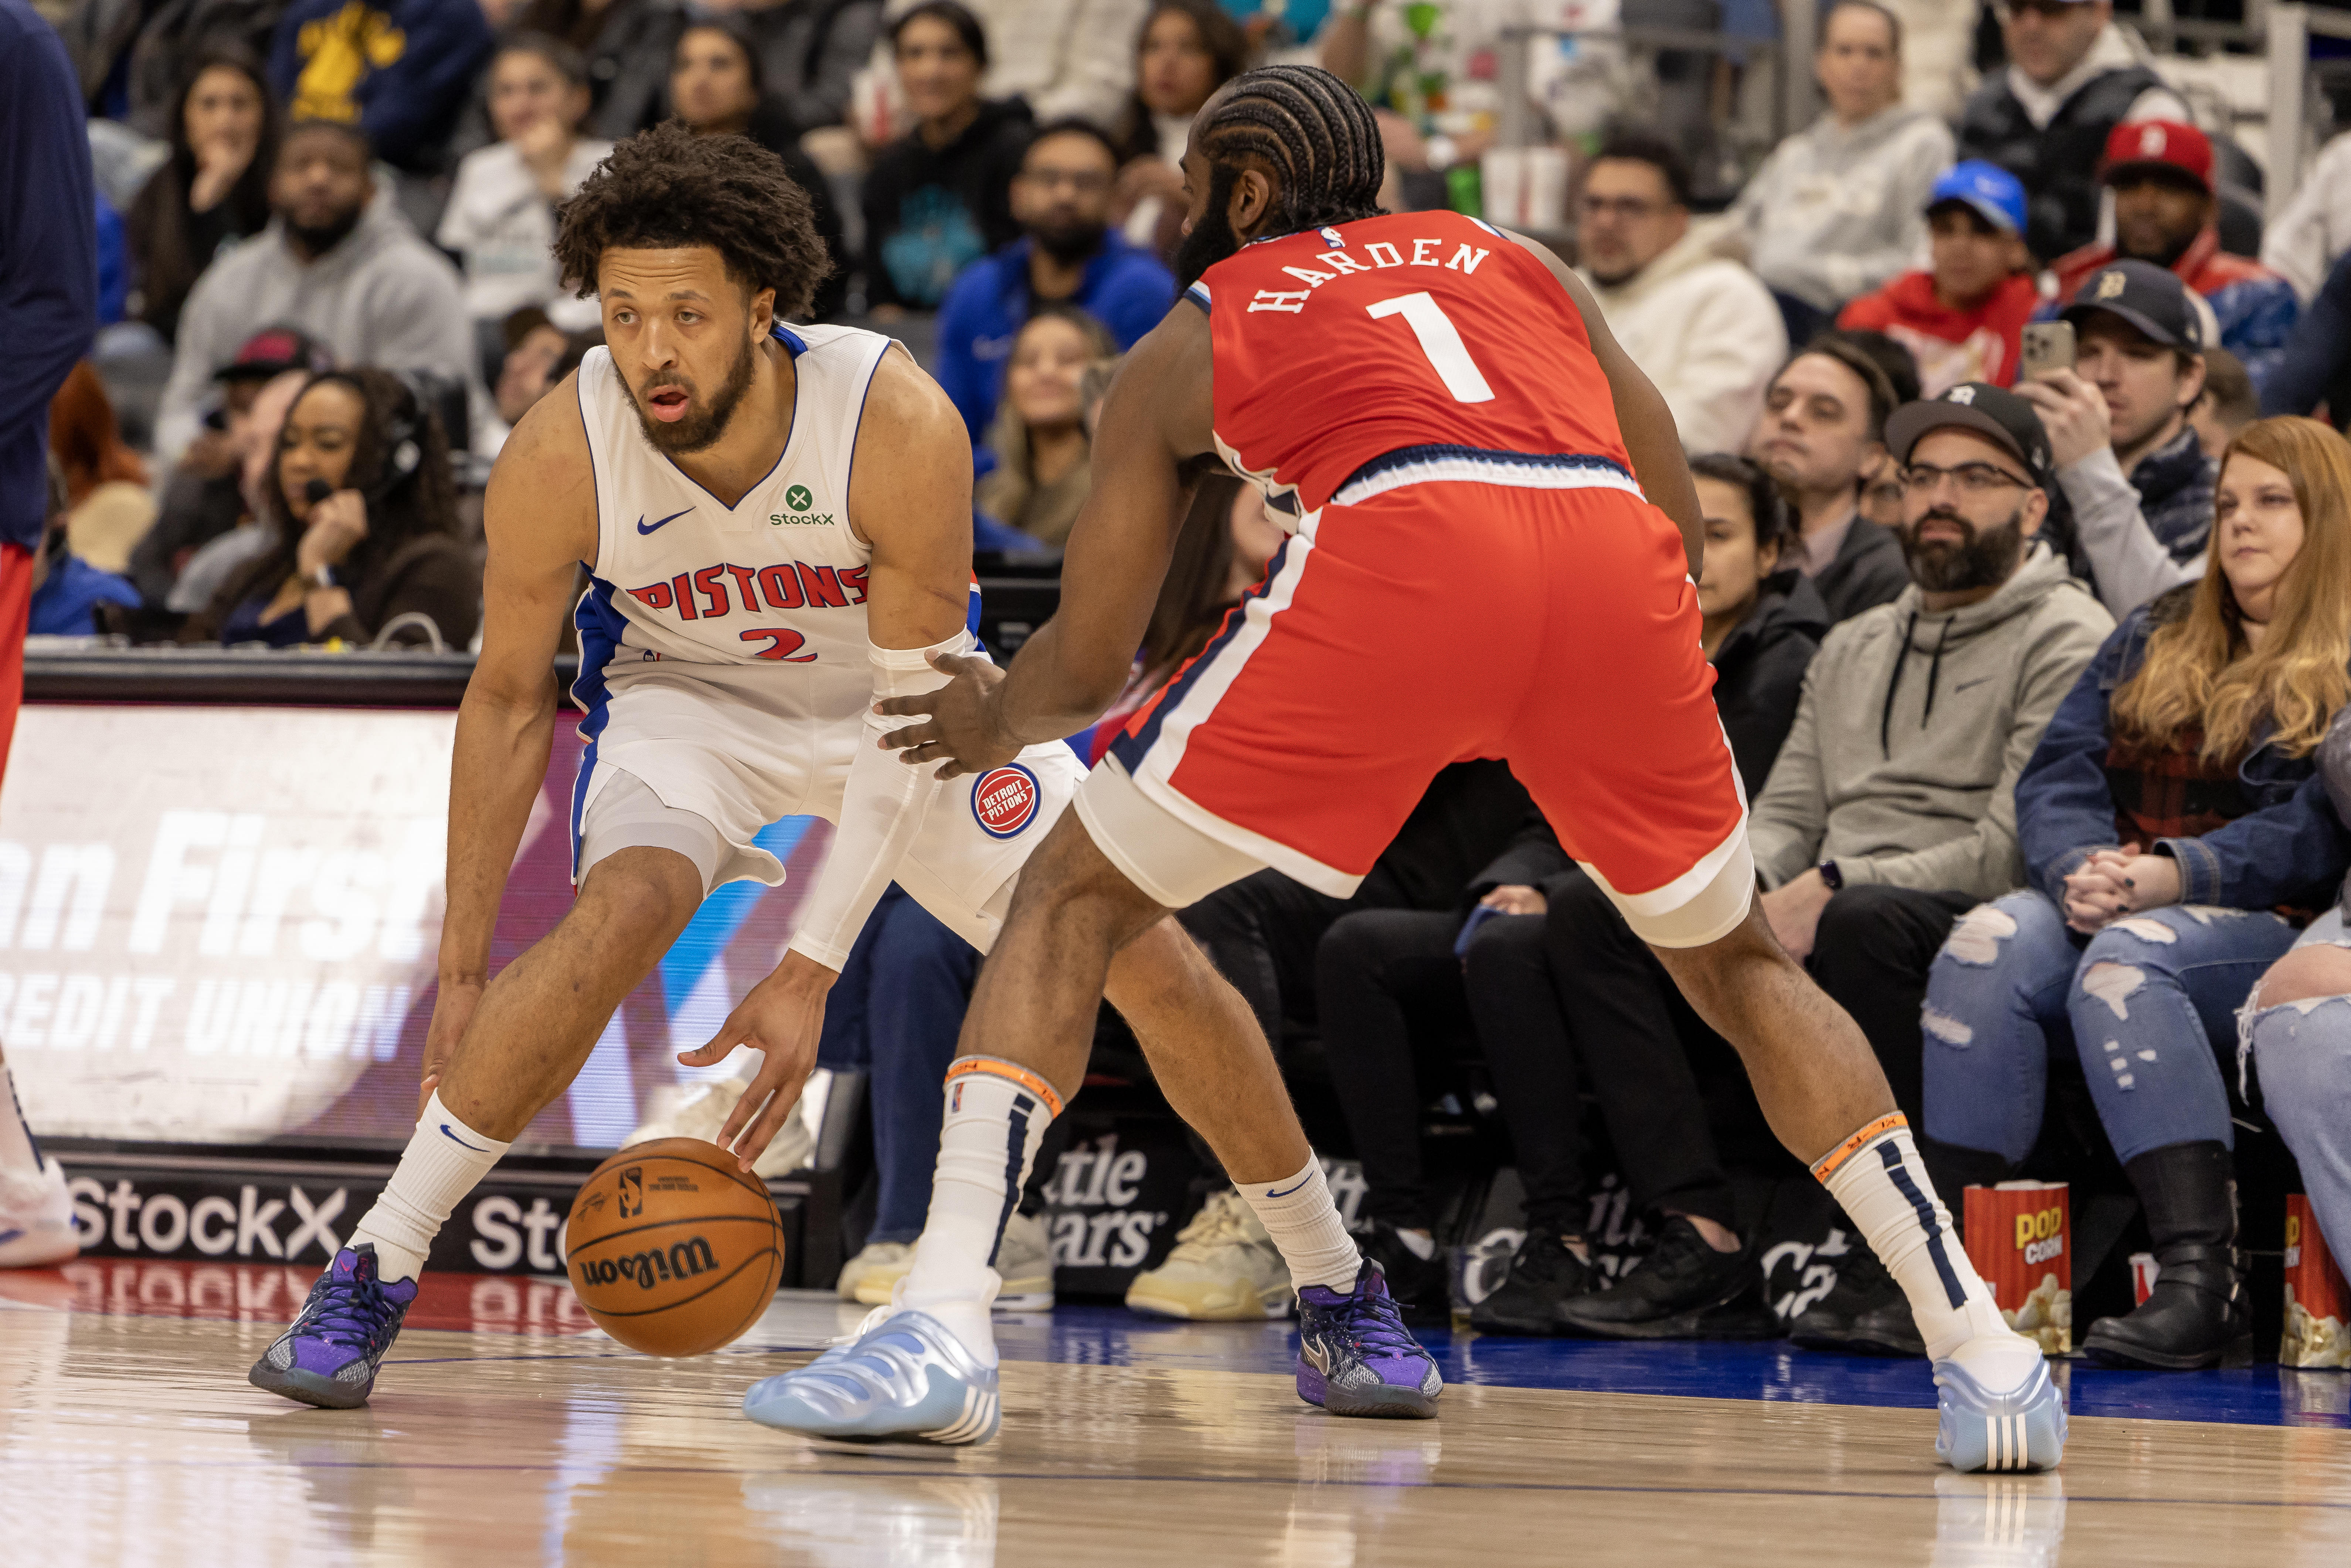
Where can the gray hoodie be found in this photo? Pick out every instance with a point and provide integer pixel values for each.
(382, 297)
(1912, 730)
(1835, 212)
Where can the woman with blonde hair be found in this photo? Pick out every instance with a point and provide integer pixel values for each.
(2177, 834)
(1044, 463)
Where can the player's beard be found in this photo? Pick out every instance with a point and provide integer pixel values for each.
(1985, 558)
(1212, 239)
(702, 427)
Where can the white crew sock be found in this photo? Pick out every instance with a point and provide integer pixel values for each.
(1876, 1175)
(997, 1115)
(445, 1160)
(1297, 1213)
(18, 1152)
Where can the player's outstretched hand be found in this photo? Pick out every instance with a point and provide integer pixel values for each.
(965, 734)
(453, 1009)
(782, 1016)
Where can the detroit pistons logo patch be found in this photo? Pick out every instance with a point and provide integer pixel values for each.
(1005, 800)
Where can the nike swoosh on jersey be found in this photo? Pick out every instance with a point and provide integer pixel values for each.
(646, 528)
(458, 1141)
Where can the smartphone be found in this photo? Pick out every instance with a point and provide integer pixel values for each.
(2048, 346)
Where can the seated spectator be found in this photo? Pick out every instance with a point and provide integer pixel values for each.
(1574, 987)
(365, 513)
(1067, 253)
(1067, 59)
(717, 87)
(2166, 214)
(204, 496)
(2302, 243)
(1961, 317)
(1700, 327)
(1043, 461)
(132, 58)
(2134, 472)
(335, 262)
(940, 198)
(2172, 811)
(1834, 212)
(1881, 485)
(106, 509)
(400, 70)
(1187, 50)
(254, 435)
(1891, 808)
(500, 220)
(212, 191)
(535, 348)
(2227, 405)
(2072, 77)
(810, 54)
(1823, 430)
(2297, 1027)
(626, 44)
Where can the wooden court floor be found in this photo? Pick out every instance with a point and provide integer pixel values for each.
(128, 1438)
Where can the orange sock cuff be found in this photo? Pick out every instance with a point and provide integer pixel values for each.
(996, 1066)
(1825, 1167)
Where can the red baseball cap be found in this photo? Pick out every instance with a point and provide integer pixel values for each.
(2165, 143)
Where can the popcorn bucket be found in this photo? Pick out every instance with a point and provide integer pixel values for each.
(2145, 1270)
(2317, 1301)
(2017, 1236)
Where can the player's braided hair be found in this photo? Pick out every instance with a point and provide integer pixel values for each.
(668, 187)
(1312, 132)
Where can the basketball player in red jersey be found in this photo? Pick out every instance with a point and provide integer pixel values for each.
(1495, 539)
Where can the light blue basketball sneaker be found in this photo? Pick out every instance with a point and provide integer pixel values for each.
(1979, 1429)
(903, 1377)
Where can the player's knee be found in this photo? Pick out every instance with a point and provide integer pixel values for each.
(641, 889)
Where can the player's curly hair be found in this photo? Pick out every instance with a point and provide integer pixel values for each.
(668, 187)
(1315, 134)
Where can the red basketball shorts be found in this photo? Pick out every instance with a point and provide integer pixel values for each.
(1439, 622)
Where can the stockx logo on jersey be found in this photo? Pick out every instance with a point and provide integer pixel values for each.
(715, 592)
(798, 500)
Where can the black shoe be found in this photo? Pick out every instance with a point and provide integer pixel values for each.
(2197, 1314)
(1422, 1291)
(1543, 1273)
(1674, 1293)
(1864, 1312)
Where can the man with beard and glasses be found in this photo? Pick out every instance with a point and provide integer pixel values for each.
(1891, 810)
(335, 263)
(777, 522)
(1067, 254)
(1413, 391)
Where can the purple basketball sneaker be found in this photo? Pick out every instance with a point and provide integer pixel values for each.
(328, 1356)
(1355, 1357)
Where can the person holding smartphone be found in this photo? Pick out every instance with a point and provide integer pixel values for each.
(2137, 478)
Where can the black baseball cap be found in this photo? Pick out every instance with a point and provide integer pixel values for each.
(2007, 419)
(2150, 298)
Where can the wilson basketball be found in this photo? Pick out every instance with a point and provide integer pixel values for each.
(673, 1250)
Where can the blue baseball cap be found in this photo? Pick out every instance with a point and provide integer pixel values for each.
(1988, 188)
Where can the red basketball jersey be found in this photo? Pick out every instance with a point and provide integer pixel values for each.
(1425, 334)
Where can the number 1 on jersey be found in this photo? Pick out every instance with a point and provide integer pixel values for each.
(1441, 341)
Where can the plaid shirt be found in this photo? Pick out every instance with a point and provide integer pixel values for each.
(2173, 793)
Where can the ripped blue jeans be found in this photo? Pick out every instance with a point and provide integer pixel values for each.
(2148, 1002)
(2303, 1053)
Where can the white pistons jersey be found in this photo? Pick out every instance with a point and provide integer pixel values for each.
(724, 659)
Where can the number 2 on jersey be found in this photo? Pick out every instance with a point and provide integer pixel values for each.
(1448, 356)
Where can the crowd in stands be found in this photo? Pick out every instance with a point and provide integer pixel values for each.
(2034, 673)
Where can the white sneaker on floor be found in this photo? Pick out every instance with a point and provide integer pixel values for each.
(35, 1219)
(875, 1271)
(698, 1111)
(1024, 1259)
(1225, 1268)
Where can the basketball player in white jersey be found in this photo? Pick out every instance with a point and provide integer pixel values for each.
(778, 525)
